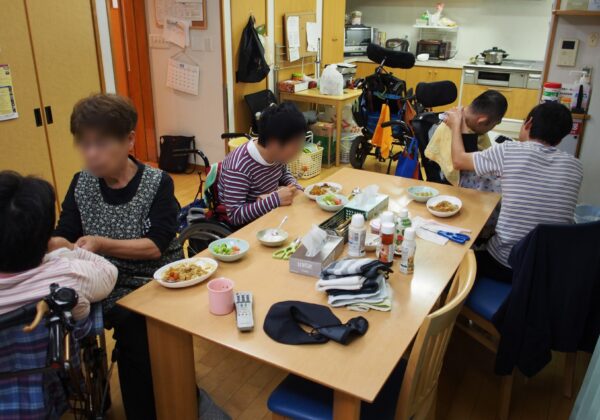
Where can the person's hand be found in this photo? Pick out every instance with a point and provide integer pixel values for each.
(286, 195)
(90, 243)
(454, 118)
(56, 242)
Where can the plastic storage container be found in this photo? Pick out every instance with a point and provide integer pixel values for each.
(347, 139)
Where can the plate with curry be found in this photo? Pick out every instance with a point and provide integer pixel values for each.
(444, 205)
(185, 273)
(322, 188)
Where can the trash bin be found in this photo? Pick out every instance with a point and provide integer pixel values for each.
(585, 213)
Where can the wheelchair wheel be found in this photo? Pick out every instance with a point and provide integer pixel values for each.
(197, 236)
(359, 150)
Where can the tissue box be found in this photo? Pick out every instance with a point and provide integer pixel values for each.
(372, 208)
(301, 264)
(292, 86)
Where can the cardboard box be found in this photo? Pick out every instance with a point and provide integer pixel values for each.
(292, 86)
(301, 264)
(324, 135)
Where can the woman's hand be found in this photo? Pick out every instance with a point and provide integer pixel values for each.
(90, 243)
(454, 118)
(57, 242)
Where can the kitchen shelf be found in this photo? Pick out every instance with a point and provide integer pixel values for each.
(439, 28)
(594, 13)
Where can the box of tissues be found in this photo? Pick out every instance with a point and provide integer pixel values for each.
(317, 251)
(369, 202)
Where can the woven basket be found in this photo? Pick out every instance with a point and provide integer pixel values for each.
(307, 165)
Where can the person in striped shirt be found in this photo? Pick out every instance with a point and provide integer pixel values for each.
(540, 183)
(254, 178)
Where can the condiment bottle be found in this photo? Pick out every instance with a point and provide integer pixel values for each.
(357, 233)
(409, 247)
(402, 223)
(388, 217)
(386, 248)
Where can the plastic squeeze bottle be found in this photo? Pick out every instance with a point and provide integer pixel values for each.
(357, 233)
(409, 247)
(386, 250)
(402, 224)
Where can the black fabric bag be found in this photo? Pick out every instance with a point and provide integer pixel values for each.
(252, 66)
(175, 152)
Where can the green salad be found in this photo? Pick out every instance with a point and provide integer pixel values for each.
(332, 200)
(226, 249)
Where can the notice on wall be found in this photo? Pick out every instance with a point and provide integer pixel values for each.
(313, 33)
(8, 105)
(183, 77)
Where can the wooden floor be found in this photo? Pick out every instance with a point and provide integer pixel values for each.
(468, 389)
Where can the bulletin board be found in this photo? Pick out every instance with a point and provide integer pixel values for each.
(303, 17)
(189, 9)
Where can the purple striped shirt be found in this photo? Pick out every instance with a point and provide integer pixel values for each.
(244, 177)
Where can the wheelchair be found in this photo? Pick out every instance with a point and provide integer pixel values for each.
(66, 356)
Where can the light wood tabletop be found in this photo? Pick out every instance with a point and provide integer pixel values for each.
(314, 96)
(357, 371)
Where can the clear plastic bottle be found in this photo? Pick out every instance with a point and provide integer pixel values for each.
(409, 248)
(357, 233)
(402, 223)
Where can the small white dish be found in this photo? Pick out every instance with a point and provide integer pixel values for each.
(208, 263)
(372, 242)
(332, 207)
(272, 237)
(451, 199)
(422, 194)
(423, 57)
(242, 249)
(334, 188)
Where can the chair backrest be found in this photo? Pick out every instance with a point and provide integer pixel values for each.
(419, 386)
(434, 94)
(257, 102)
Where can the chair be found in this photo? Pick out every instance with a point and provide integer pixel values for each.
(411, 389)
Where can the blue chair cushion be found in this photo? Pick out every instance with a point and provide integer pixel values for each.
(301, 399)
(487, 296)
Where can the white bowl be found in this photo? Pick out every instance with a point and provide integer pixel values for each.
(205, 262)
(371, 242)
(435, 200)
(427, 193)
(335, 188)
(267, 238)
(243, 245)
(335, 207)
(423, 57)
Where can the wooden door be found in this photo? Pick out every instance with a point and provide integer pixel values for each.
(332, 41)
(64, 46)
(23, 146)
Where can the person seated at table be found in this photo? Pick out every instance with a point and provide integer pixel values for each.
(28, 264)
(127, 212)
(254, 178)
(480, 116)
(540, 183)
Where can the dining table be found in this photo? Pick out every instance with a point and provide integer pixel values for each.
(357, 371)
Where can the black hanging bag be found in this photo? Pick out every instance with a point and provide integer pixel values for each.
(175, 152)
(252, 66)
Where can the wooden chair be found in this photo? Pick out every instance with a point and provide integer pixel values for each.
(476, 320)
(417, 387)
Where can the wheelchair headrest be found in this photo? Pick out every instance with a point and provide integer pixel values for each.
(436, 93)
(394, 59)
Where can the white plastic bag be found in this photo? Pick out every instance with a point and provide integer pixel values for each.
(332, 81)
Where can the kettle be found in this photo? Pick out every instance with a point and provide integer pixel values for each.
(494, 56)
(397, 44)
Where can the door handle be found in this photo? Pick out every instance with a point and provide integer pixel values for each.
(48, 111)
(37, 114)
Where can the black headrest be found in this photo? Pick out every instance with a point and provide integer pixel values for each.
(436, 93)
(394, 59)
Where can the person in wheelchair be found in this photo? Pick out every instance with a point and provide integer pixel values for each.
(480, 116)
(29, 266)
(254, 178)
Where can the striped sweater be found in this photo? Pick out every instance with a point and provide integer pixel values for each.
(246, 176)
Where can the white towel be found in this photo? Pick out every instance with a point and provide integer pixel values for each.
(341, 283)
(424, 228)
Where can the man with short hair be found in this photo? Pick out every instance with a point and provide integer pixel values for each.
(254, 178)
(540, 183)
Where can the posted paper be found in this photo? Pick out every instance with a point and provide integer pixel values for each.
(8, 106)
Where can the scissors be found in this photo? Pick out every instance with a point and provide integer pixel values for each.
(459, 238)
(286, 253)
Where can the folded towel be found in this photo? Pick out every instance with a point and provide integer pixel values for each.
(369, 297)
(342, 283)
(385, 305)
(367, 267)
(368, 286)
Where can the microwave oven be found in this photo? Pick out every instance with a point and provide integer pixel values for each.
(437, 50)
(357, 38)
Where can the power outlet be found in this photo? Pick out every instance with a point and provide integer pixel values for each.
(202, 44)
(593, 39)
(157, 41)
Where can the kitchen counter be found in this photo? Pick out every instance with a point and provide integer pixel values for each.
(450, 64)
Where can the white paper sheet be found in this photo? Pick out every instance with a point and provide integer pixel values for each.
(177, 31)
(313, 33)
(293, 54)
(293, 31)
(191, 10)
(182, 76)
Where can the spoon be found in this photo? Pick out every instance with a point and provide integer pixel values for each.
(354, 193)
(275, 231)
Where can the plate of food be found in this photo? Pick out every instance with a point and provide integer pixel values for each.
(322, 188)
(228, 249)
(332, 202)
(185, 273)
(444, 205)
(422, 194)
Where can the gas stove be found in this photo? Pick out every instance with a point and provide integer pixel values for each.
(511, 73)
(509, 64)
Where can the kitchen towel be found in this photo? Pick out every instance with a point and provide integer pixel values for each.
(421, 225)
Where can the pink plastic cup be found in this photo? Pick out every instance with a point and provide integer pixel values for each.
(220, 296)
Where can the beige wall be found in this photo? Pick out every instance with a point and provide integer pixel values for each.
(184, 114)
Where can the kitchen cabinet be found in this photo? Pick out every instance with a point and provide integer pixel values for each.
(332, 43)
(50, 46)
(365, 69)
(420, 74)
(520, 101)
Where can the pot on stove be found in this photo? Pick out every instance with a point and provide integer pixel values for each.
(494, 56)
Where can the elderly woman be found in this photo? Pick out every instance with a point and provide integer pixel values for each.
(127, 212)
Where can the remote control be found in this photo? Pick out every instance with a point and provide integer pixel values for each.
(243, 308)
